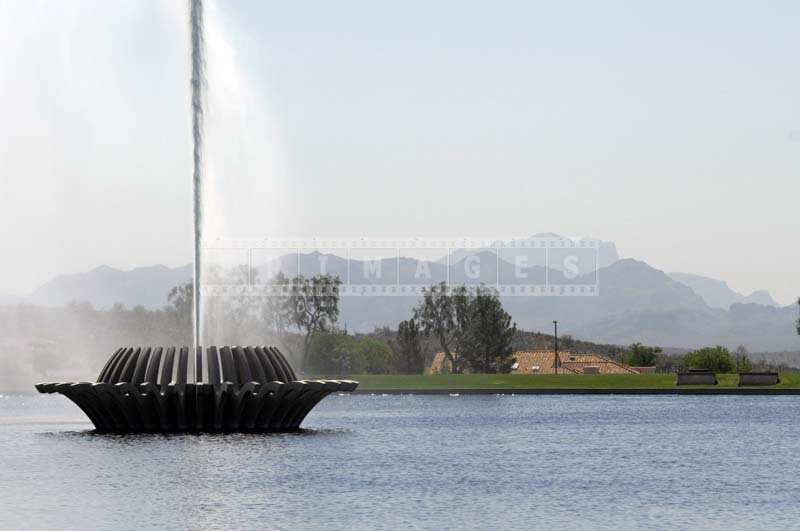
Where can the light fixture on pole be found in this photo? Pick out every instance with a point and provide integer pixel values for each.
(555, 335)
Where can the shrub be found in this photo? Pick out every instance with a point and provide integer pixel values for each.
(642, 356)
(717, 359)
(338, 353)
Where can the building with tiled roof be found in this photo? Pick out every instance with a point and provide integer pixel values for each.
(544, 362)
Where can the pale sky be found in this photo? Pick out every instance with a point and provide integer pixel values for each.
(670, 128)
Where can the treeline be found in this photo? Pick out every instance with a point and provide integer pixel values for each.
(470, 327)
(340, 353)
(74, 341)
(716, 358)
(721, 360)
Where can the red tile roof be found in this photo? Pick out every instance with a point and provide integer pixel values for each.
(543, 362)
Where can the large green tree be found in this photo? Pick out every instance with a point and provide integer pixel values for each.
(410, 358)
(717, 359)
(472, 329)
(313, 305)
(180, 311)
(743, 363)
(642, 356)
(181, 302)
(487, 334)
(371, 356)
(274, 308)
(329, 353)
(336, 352)
(441, 315)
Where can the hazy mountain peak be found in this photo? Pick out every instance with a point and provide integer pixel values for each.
(636, 269)
(606, 251)
(762, 297)
(105, 286)
(101, 269)
(718, 294)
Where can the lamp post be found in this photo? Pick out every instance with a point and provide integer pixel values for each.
(555, 334)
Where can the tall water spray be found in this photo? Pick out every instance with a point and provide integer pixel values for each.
(197, 85)
(237, 170)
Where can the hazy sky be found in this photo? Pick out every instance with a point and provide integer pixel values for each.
(670, 128)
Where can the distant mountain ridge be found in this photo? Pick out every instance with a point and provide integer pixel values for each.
(636, 302)
(717, 294)
(606, 251)
(105, 286)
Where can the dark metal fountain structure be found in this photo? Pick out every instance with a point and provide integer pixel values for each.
(225, 389)
(183, 390)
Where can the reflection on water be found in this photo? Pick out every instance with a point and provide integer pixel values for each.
(224, 438)
(424, 461)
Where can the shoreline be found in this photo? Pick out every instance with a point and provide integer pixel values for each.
(547, 384)
(692, 391)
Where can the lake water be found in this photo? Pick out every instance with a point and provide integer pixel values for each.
(419, 461)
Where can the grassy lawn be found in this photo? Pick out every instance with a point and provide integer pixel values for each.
(378, 382)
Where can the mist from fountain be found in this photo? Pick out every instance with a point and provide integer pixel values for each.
(238, 183)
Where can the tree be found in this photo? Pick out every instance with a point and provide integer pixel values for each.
(181, 299)
(409, 347)
(437, 316)
(717, 359)
(370, 356)
(181, 310)
(274, 308)
(567, 342)
(743, 363)
(336, 352)
(485, 342)
(471, 329)
(329, 353)
(313, 305)
(642, 356)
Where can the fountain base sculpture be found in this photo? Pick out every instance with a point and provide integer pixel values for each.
(230, 389)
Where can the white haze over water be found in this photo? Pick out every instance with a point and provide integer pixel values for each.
(670, 129)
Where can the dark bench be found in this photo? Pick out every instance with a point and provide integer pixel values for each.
(697, 377)
(758, 378)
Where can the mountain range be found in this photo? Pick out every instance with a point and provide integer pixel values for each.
(717, 294)
(635, 301)
(105, 286)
